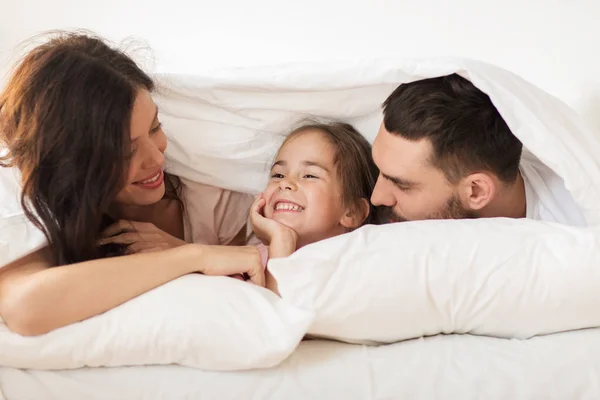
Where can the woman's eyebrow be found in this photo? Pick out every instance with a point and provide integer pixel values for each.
(154, 119)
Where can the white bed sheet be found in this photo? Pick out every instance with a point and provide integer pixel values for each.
(558, 366)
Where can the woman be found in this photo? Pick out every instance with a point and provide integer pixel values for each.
(79, 122)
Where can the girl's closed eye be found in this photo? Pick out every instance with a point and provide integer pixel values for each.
(310, 176)
(277, 176)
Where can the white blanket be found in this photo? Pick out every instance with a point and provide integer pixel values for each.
(226, 126)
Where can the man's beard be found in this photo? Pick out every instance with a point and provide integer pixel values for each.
(452, 210)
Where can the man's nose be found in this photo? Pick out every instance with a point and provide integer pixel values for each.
(382, 195)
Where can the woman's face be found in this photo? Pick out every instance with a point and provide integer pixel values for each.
(145, 179)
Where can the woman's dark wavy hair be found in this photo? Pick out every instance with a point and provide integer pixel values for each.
(65, 118)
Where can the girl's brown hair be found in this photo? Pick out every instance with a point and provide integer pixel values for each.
(353, 160)
(65, 117)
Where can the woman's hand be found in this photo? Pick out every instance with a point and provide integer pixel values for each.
(244, 261)
(265, 229)
(140, 237)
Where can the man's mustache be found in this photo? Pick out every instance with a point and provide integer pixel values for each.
(387, 215)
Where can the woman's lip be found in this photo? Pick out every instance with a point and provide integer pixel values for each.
(152, 185)
(149, 177)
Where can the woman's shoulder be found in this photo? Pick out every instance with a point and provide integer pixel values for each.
(195, 193)
(214, 215)
(198, 188)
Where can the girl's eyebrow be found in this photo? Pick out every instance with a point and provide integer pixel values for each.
(283, 163)
(315, 164)
(280, 163)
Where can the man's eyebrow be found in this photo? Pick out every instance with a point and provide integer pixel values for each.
(398, 181)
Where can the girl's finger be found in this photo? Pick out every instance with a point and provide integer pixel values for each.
(257, 201)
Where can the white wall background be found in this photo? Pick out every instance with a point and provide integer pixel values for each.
(553, 43)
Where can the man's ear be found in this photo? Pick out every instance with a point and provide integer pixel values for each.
(355, 216)
(477, 190)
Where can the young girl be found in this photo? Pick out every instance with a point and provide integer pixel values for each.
(320, 186)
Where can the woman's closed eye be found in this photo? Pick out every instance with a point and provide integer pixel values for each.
(134, 147)
(156, 128)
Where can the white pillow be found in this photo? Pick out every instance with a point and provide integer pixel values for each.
(497, 277)
(18, 236)
(213, 323)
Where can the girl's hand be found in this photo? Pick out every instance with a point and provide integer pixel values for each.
(265, 229)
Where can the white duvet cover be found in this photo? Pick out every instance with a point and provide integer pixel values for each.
(504, 278)
(561, 366)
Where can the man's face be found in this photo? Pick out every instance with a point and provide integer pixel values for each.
(409, 185)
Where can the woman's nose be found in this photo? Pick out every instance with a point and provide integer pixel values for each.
(155, 156)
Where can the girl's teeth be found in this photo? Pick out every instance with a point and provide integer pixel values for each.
(287, 206)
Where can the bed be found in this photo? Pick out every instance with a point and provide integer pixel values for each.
(522, 324)
(564, 366)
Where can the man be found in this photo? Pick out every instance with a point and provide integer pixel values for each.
(444, 151)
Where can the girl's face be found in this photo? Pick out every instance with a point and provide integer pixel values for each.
(304, 191)
(145, 179)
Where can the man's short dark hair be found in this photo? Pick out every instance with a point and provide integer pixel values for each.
(466, 130)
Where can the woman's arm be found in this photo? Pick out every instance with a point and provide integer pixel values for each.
(35, 299)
